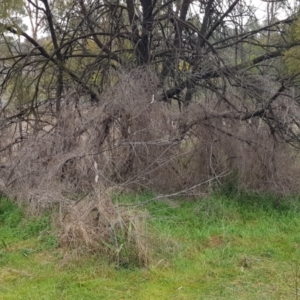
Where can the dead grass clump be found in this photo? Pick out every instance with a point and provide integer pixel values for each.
(95, 225)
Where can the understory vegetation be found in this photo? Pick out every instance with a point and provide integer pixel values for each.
(231, 245)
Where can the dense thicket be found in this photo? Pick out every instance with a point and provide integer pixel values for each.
(173, 96)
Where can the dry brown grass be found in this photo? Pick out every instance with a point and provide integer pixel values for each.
(96, 225)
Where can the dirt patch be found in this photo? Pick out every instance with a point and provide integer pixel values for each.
(216, 241)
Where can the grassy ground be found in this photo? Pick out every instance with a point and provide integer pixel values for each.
(234, 246)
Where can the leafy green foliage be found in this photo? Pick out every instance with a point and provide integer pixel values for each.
(9, 9)
(292, 55)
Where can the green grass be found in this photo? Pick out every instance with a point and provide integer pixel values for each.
(229, 246)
